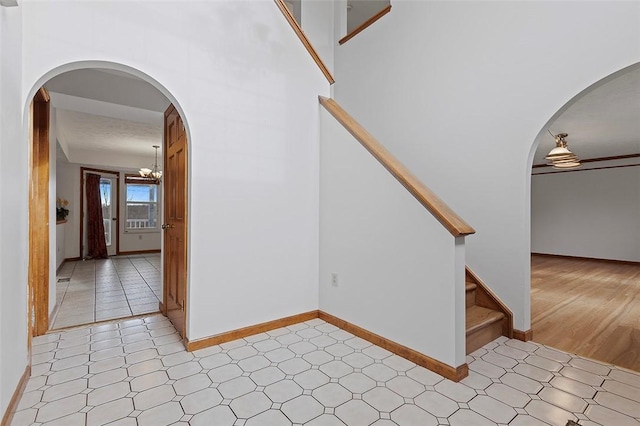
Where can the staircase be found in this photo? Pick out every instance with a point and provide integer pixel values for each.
(487, 318)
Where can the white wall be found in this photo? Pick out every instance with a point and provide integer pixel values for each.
(400, 272)
(248, 92)
(13, 208)
(68, 188)
(60, 245)
(592, 213)
(317, 24)
(459, 90)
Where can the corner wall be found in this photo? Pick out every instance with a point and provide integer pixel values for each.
(587, 213)
(458, 92)
(14, 213)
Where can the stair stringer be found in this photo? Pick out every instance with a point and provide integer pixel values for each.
(488, 299)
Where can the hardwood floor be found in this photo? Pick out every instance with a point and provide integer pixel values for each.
(588, 307)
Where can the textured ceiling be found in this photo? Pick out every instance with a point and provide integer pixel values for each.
(101, 134)
(106, 117)
(603, 123)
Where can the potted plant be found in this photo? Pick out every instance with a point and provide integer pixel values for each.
(61, 209)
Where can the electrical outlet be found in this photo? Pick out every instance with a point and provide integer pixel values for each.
(334, 279)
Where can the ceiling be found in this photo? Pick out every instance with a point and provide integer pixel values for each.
(106, 118)
(603, 123)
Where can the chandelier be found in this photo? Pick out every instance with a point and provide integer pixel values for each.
(154, 174)
(560, 157)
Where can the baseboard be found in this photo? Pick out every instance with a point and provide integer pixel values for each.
(525, 336)
(625, 262)
(127, 253)
(249, 331)
(15, 399)
(72, 259)
(452, 373)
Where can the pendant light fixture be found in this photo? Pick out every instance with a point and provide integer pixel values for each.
(154, 174)
(560, 157)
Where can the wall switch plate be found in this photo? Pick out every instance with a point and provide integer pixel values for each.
(334, 279)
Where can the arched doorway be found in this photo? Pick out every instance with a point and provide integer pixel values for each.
(584, 240)
(42, 233)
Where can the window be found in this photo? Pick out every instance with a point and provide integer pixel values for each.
(142, 204)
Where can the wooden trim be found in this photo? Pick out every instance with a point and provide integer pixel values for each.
(452, 373)
(586, 170)
(228, 336)
(486, 298)
(39, 215)
(596, 159)
(525, 336)
(15, 399)
(447, 217)
(162, 309)
(624, 262)
(126, 253)
(364, 25)
(305, 41)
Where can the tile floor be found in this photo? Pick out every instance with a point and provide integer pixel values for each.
(136, 372)
(104, 289)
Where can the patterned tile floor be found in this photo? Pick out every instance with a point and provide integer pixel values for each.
(136, 372)
(99, 290)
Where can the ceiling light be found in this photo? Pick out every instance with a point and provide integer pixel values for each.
(560, 157)
(154, 174)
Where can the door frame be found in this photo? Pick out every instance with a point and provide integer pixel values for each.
(38, 272)
(117, 205)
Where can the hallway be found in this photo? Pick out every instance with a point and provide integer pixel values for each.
(104, 289)
(136, 372)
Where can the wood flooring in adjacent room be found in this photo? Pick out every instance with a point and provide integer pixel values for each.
(587, 307)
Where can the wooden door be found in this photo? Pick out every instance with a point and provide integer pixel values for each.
(175, 219)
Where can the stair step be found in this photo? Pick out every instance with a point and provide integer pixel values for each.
(479, 318)
(470, 295)
(483, 326)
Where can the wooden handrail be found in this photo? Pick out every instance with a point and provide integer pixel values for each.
(365, 24)
(447, 217)
(303, 38)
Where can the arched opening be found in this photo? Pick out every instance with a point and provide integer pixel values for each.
(103, 119)
(585, 240)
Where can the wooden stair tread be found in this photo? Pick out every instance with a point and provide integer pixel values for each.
(479, 317)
